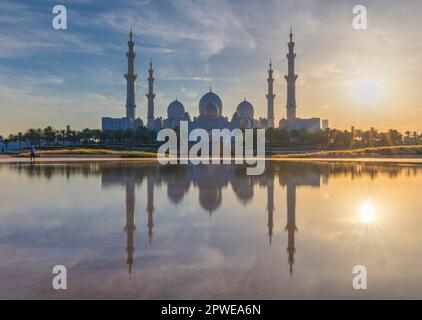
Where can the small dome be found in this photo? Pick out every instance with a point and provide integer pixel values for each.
(210, 198)
(211, 110)
(245, 110)
(244, 189)
(245, 123)
(138, 123)
(187, 116)
(158, 124)
(263, 123)
(175, 110)
(206, 99)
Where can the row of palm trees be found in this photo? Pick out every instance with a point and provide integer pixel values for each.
(330, 138)
(52, 137)
(335, 139)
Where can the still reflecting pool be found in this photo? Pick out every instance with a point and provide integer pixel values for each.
(145, 231)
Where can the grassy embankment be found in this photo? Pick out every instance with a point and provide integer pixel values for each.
(358, 153)
(347, 153)
(93, 152)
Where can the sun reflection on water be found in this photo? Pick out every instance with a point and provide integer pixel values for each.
(368, 213)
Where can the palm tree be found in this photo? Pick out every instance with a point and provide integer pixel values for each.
(68, 135)
(415, 137)
(407, 136)
(109, 136)
(6, 142)
(30, 135)
(49, 134)
(96, 135)
(74, 136)
(118, 135)
(86, 135)
(11, 138)
(63, 136)
(20, 140)
(38, 136)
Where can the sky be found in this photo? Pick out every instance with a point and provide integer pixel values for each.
(365, 78)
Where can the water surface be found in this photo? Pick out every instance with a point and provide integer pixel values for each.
(144, 231)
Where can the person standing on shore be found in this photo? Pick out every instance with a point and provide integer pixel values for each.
(32, 156)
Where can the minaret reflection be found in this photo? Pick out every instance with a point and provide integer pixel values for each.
(292, 176)
(291, 223)
(150, 206)
(270, 206)
(129, 177)
(130, 222)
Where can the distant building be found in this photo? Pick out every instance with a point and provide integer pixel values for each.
(325, 125)
(130, 122)
(291, 122)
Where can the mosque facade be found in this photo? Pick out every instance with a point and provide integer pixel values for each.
(210, 108)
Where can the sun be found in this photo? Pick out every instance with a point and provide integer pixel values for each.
(367, 90)
(367, 213)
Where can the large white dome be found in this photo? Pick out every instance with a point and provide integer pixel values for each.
(175, 110)
(207, 98)
(245, 110)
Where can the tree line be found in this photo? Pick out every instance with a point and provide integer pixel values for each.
(341, 139)
(52, 137)
(323, 139)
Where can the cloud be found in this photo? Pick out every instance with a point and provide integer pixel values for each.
(209, 26)
(27, 30)
(189, 93)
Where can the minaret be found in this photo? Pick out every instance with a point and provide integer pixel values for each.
(130, 222)
(270, 98)
(150, 206)
(291, 81)
(270, 206)
(291, 223)
(130, 79)
(150, 96)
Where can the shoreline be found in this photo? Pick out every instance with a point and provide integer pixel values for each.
(409, 159)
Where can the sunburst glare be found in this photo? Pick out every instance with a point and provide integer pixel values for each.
(367, 90)
(367, 213)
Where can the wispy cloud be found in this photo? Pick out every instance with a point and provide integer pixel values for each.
(27, 30)
(210, 26)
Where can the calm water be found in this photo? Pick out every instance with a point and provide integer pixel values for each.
(138, 230)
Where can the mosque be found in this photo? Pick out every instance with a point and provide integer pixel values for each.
(211, 106)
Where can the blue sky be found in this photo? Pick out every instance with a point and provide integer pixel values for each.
(75, 76)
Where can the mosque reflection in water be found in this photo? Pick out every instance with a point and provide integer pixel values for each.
(210, 181)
